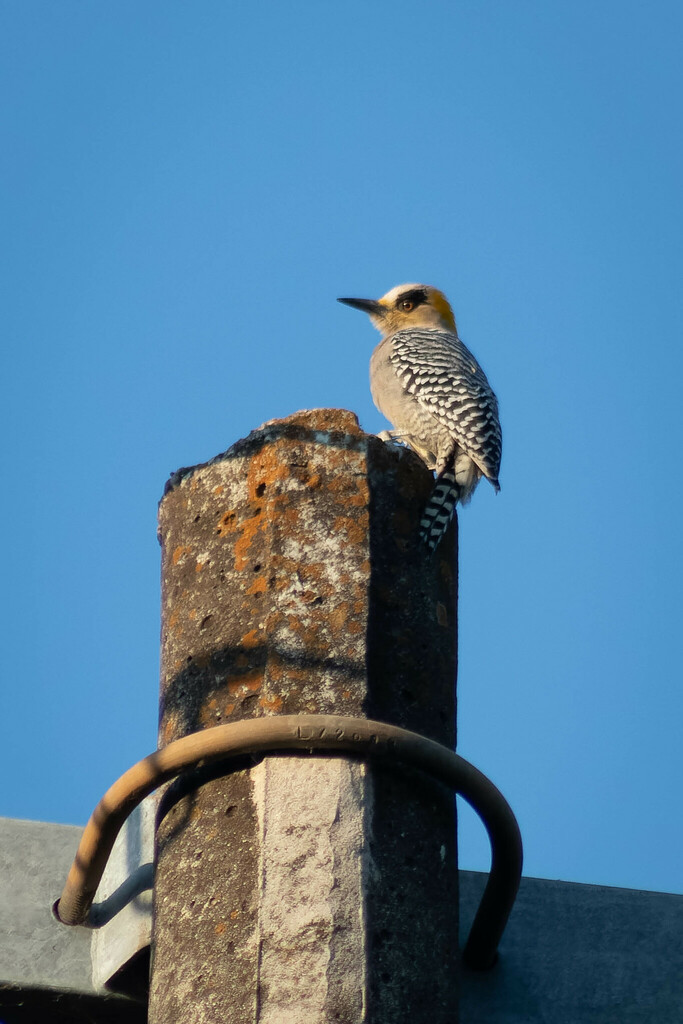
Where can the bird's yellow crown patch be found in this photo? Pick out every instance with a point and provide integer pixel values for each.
(443, 307)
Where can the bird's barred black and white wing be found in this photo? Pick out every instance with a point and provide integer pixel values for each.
(446, 380)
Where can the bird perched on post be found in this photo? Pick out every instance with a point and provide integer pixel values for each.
(433, 391)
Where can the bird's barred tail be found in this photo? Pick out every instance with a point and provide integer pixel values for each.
(439, 509)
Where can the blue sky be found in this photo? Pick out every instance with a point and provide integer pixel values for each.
(186, 190)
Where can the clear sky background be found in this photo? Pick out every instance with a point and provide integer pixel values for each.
(186, 188)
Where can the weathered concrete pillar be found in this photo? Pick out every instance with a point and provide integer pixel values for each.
(305, 889)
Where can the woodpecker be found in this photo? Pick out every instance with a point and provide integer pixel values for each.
(435, 394)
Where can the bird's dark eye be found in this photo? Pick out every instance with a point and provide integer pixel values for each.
(407, 305)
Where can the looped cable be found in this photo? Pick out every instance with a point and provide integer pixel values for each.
(330, 734)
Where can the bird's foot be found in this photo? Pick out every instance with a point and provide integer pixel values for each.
(399, 442)
(393, 437)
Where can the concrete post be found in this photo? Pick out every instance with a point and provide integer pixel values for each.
(305, 889)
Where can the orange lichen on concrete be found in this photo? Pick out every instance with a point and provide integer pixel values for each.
(307, 630)
(220, 928)
(182, 549)
(279, 672)
(273, 703)
(251, 639)
(283, 460)
(358, 500)
(192, 614)
(288, 516)
(199, 566)
(208, 717)
(219, 489)
(228, 709)
(313, 573)
(356, 532)
(227, 523)
(259, 586)
(339, 484)
(362, 495)
(338, 618)
(264, 471)
(289, 569)
(250, 681)
(242, 545)
(173, 618)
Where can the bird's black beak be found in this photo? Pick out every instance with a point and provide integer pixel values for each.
(370, 306)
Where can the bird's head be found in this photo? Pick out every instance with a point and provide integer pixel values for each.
(406, 306)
